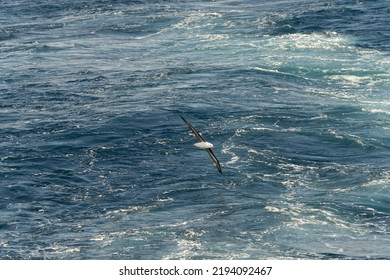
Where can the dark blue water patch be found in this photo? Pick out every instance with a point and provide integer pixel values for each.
(6, 35)
(52, 9)
(26, 31)
(365, 21)
(145, 23)
(334, 256)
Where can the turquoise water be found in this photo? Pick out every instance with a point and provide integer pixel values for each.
(97, 164)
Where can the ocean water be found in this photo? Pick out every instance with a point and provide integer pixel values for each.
(95, 162)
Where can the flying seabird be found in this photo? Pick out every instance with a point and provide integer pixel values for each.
(203, 144)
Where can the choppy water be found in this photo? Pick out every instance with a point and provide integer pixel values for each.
(95, 162)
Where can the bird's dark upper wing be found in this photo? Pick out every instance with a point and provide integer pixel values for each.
(216, 161)
(200, 137)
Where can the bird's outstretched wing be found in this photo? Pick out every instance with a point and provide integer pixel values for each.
(200, 137)
(216, 161)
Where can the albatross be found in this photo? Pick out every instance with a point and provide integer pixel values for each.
(203, 144)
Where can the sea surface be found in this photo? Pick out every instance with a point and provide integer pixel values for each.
(95, 162)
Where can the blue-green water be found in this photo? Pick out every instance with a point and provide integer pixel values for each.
(95, 162)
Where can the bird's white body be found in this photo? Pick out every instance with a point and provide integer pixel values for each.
(204, 145)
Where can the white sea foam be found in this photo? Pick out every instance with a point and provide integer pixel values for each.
(196, 20)
(348, 79)
(330, 41)
(233, 160)
(213, 37)
(377, 111)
